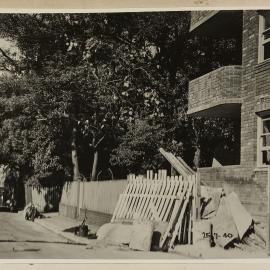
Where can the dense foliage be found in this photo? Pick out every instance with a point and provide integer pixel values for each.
(90, 92)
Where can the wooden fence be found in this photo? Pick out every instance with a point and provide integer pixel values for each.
(98, 196)
(161, 198)
(44, 198)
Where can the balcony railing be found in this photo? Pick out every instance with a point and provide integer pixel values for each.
(215, 89)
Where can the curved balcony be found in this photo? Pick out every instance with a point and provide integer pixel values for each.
(217, 93)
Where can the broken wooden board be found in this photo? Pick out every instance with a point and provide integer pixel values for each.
(183, 210)
(175, 214)
(211, 197)
(177, 163)
(184, 164)
(160, 200)
(147, 199)
(242, 218)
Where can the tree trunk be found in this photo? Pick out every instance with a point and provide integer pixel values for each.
(197, 154)
(197, 157)
(74, 155)
(94, 167)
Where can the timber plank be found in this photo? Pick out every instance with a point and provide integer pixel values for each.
(175, 213)
(152, 200)
(180, 219)
(168, 203)
(155, 203)
(152, 191)
(150, 187)
(142, 196)
(165, 202)
(121, 200)
(133, 185)
(134, 198)
(179, 189)
(158, 207)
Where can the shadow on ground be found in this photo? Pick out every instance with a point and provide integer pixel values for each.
(74, 230)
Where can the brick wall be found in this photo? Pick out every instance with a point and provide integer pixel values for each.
(262, 71)
(263, 103)
(248, 182)
(263, 86)
(218, 86)
(249, 62)
(249, 185)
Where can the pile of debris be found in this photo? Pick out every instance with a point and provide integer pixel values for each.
(157, 212)
(225, 222)
(153, 213)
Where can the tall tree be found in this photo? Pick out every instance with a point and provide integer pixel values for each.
(92, 77)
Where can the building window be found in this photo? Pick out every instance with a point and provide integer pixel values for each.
(264, 141)
(264, 42)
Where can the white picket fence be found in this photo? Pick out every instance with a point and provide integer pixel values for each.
(161, 198)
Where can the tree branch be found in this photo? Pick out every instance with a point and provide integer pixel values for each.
(142, 69)
(99, 141)
(8, 58)
(5, 68)
(93, 127)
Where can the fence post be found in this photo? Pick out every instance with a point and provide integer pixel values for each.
(151, 175)
(78, 198)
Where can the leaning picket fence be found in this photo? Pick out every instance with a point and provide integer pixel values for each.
(160, 198)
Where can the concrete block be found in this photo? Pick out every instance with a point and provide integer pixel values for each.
(113, 233)
(141, 236)
(201, 231)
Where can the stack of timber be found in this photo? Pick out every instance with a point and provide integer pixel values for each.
(186, 172)
(160, 198)
(177, 163)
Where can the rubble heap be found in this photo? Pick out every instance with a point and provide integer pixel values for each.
(157, 212)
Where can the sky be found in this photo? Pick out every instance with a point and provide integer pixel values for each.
(4, 44)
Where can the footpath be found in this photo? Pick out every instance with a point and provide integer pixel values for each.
(64, 227)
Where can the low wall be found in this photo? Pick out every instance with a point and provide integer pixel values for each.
(96, 200)
(250, 185)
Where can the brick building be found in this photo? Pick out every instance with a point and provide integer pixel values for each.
(240, 90)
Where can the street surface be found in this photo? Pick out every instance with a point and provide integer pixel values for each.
(21, 239)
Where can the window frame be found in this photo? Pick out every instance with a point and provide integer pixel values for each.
(262, 40)
(260, 135)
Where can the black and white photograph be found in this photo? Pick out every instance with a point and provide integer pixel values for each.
(135, 135)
